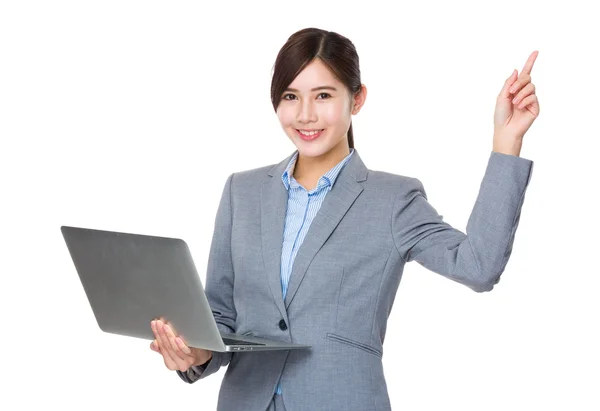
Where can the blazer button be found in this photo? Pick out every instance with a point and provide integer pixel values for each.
(282, 325)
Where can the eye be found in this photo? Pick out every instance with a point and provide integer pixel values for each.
(293, 97)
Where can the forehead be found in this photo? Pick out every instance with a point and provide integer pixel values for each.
(315, 74)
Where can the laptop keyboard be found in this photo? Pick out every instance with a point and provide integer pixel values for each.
(231, 341)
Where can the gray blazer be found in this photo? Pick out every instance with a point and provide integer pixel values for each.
(344, 279)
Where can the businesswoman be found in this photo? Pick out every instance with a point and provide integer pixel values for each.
(312, 249)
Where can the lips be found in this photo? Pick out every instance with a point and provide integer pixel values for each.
(309, 138)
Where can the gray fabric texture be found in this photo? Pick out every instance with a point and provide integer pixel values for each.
(344, 279)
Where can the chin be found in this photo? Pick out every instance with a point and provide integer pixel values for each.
(314, 151)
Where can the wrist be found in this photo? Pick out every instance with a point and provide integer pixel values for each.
(204, 360)
(504, 146)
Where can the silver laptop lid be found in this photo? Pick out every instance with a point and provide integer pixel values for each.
(131, 279)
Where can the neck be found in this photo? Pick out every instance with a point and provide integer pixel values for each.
(312, 168)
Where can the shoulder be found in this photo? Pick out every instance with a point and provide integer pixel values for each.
(251, 179)
(401, 187)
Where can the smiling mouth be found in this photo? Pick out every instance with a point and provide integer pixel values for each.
(309, 135)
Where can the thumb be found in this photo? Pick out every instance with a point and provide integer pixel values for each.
(504, 93)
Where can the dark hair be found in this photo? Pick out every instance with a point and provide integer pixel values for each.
(335, 51)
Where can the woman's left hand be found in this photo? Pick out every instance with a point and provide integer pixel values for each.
(516, 108)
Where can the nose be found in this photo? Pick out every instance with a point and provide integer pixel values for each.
(307, 112)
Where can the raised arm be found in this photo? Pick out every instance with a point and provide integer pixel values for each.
(477, 258)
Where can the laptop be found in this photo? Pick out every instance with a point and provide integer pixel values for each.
(132, 279)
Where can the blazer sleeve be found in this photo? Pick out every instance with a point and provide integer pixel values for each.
(219, 286)
(477, 258)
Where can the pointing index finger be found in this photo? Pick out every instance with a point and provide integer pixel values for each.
(529, 64)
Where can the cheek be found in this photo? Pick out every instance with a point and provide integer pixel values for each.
(335, 114)
(285, 117)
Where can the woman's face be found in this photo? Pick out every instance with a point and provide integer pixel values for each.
(316, 102)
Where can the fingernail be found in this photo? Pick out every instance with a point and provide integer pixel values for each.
(515, 100)
(512, 89)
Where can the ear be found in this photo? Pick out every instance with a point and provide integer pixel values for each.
(359, 99)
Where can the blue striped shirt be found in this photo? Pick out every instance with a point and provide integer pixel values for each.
(302, 206)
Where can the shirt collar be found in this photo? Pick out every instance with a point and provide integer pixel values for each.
(327, 180)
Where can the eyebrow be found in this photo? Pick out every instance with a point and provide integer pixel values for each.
(314, 89)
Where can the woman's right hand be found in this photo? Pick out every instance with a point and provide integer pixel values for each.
(176, 354)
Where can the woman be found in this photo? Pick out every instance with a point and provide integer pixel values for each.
(332, 286)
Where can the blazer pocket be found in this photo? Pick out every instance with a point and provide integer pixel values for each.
(246, 333)
(353, 343)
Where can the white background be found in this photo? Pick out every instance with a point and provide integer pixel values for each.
(130, 115)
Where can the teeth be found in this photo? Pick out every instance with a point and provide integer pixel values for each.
(311, 133)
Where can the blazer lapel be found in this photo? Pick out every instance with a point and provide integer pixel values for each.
(273, 205)
(337, 202)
